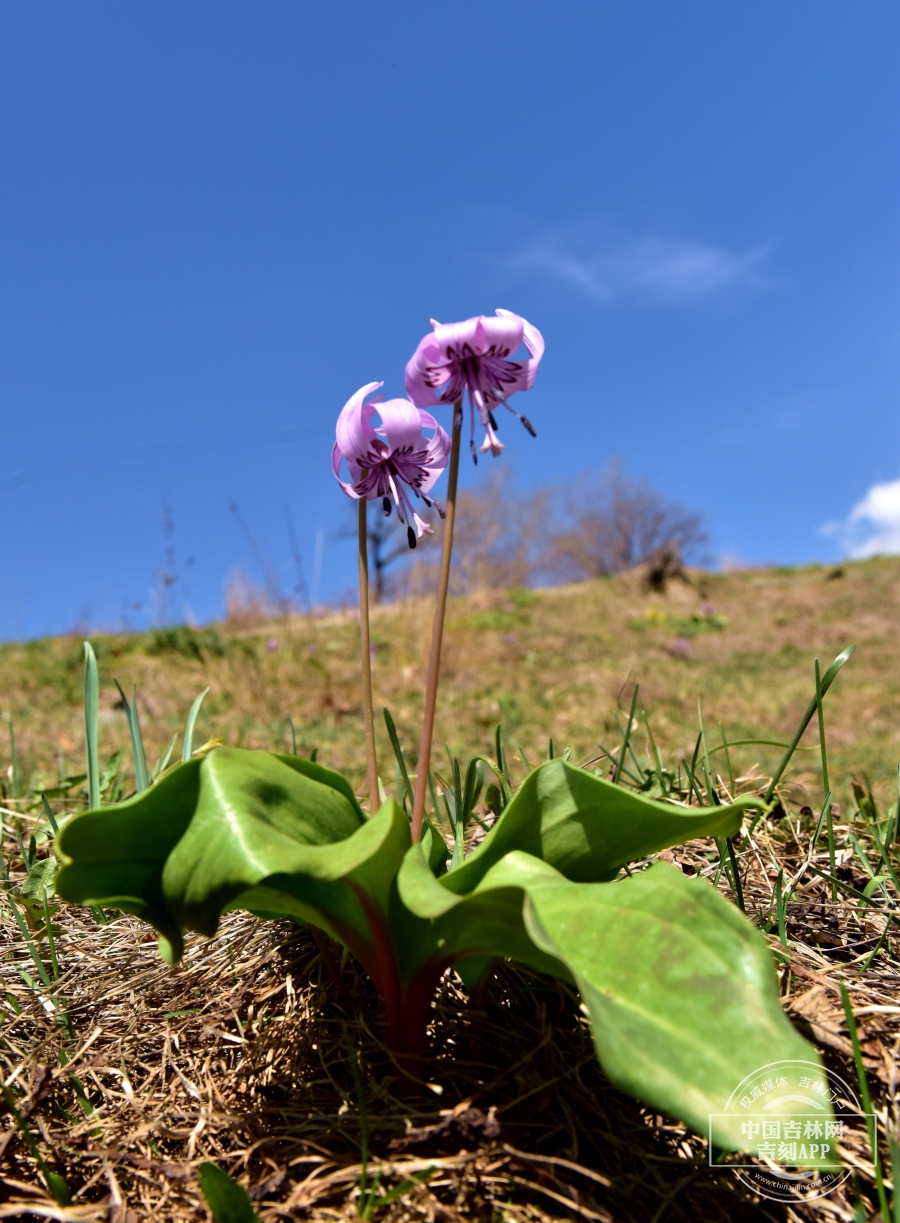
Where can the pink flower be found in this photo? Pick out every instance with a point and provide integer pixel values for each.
(475, 355)
(382, 460)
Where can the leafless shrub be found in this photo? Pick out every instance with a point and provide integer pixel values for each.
(246, 602)
(391, 560)
(612, 522)
(498, 540)
(619, 522)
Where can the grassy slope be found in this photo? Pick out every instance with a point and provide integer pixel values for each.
(552, 662)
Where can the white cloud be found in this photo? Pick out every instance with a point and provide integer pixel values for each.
(873, 525)
(607, 267)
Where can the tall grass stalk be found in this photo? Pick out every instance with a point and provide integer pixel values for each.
(91, 718)
(14, 761)
(187, 748)
(829, 824)
(55, 1183)
(827, 680)
(626, 737)
(137, 740)
(437, 632)
(366, 657)
(871, 1122)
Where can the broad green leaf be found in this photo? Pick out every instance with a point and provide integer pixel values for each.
(679, 987)
(435, 848)
(588, 828)
(115, 855)
(227, 1200)
(485, 922)
(255, 816)
(241, 829)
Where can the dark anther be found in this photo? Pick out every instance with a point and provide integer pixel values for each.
(493, 419)
(411, 536)
(440, 511)
(474, 451)
(386, 506)
(528, 425)
(427, 500)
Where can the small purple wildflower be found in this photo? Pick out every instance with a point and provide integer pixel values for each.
(682, 645)
(474, 356)
(271, 644)
(707, 609)
(386, 460)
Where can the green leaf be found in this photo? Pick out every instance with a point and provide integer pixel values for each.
(486, 922)
(226, 1199)
(40, 882)
(115, 855)
(588, 828)
(679, 987)
(241, 829)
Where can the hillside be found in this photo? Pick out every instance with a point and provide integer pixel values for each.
(556, 663)
(243, 1053)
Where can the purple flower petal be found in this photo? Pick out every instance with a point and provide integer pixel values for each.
(476, 356)
(383, 459)
(354, 430)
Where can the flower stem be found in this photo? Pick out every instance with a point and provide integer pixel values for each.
(368, 715)
(437, 632)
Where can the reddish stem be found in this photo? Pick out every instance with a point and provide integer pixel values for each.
(437, 632)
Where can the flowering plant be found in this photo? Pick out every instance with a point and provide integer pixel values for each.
(678, 986)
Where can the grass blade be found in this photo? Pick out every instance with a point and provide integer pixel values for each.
(727, 760)
(91, 717)
(163, 763)
(51, 818)
(137, 740)
(361, 1100)
(627, 736)
(293, 733)
(188, 746)
(14, 760)
(51, 942)
(55, 1183)
(780, 908)
(739, 891)
(499, 751)
(29, 941)
(827, 680)
(823, 749)
(871, 1123)
(398, 752)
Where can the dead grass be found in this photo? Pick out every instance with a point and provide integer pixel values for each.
(238, 1055)
(554, 662)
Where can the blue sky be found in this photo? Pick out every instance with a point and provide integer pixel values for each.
(220, 219)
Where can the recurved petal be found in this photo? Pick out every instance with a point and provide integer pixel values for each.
(401, 424)
(354, 429)
(336, 457)
(425, 374)
(436, 455)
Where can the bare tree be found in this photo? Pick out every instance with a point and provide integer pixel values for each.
(498, 541)
(388, 547)
(619, 522)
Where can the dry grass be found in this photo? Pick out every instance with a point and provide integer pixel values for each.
(554, 663)
(238, 1055)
